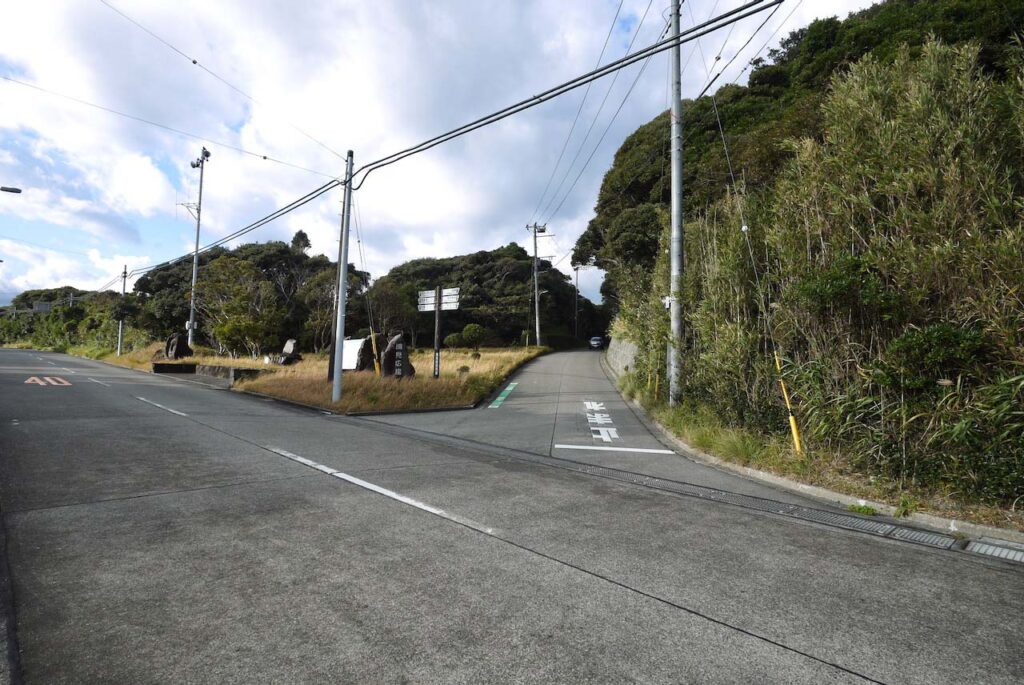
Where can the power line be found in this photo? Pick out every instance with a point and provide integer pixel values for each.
(721, 21)
(607, 128)
(707, 85)
(230, 85)
(178, 131)
(765, 44)
(748, 9)
(44, 247)
(742, 48)
(572, 128)
(291, 206)
(597, 114)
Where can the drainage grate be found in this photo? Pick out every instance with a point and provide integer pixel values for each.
(1012, 552)
(933, 539)
(843, 521)
(996, 551)
(1002, 543)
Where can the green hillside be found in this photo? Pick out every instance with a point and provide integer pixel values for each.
(873, 237)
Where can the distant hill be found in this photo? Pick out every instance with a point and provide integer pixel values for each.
(496, 289)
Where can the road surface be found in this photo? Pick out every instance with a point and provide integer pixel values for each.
(161, 531)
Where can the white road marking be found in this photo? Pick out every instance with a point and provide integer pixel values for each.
(68, 370)
(106, 385)
(613, 449)
(380, 491)
(173, 411)
(51, 363)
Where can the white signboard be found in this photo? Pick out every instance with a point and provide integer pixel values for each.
(449, 305)
(449, 291)
(444, 299)
(350, 353)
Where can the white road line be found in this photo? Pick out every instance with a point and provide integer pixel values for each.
(173, 411)
(380, 491)
(68, 370)
(613, 449)
(106, 385)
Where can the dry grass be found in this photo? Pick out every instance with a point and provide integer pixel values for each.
(306, 382)
(136, 359)
(154, 352)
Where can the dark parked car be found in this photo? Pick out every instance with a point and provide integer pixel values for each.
(596, 343)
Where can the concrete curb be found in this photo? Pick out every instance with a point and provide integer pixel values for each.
(929, 521)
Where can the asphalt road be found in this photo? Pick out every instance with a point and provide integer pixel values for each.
(161, 531)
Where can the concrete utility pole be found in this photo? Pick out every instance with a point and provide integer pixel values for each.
(339, 323)
(535, 229)
(120, 320)
(576, 305)
(201, 165)
(677, 247)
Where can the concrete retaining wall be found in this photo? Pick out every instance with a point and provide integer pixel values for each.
(231, 373)
(620, 356)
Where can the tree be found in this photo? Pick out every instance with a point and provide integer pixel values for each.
(392, 305)
(300, 242)
(241, 308)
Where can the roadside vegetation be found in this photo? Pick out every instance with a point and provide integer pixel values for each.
(873, 238)
(466, 377)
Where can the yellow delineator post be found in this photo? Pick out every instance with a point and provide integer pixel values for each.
(376, 359)
(789, 407)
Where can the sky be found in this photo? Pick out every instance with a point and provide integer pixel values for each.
(280, 91)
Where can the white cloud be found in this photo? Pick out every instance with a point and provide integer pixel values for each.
(372, 77)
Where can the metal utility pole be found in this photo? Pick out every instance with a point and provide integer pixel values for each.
(120, 321)
(535, 229)
(339, 323)
(437, 332)
(201, 165)
(677, 246)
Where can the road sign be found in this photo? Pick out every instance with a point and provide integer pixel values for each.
(437, 300)
(444, 298)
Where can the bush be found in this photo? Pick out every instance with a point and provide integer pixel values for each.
(454, 340)
(473, 334)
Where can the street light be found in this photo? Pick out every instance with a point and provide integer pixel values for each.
(200, 164)
(10, 190)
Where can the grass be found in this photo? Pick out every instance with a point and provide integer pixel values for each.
(703, 430)
(465, 377)
(862, 509)
(306, 382)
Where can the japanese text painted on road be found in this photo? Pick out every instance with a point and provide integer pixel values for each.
(600, 422)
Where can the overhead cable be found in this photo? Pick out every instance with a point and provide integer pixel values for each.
(737, 14)
(291, 206)
(178, 131)
(597, 114)
(579, 110)
(721, 21)
(227, 83)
